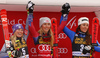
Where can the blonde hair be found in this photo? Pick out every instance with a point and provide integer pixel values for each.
(13, 39)
(51, 33)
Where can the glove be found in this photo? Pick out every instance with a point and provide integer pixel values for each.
(30, 7)
(18, 53)
(9, 54)
(65, 8)
(98, 43)
(86, 49)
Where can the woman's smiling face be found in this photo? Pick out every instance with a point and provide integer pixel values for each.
(46, 27)
(19, 32)
(84, 27)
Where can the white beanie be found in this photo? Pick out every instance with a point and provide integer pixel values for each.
(44, 20)
(83, 20)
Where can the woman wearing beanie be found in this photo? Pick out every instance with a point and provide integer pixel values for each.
(81, 39)
(43, 39)
(18, 45)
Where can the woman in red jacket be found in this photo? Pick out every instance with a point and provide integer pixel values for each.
(43, 39)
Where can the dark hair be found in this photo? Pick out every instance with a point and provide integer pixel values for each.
(88, 35)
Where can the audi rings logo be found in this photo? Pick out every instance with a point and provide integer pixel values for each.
(33, 50)
(44, 48)
(62, 36)
(62, 50)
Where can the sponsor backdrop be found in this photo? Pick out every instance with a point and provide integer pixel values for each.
(64, 43)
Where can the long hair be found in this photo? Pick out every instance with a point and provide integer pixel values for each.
(88, 35)
(51, 33)
(13, 39)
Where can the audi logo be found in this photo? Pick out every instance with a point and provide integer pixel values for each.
(44, 48)
(62, 36)
(60, 50)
